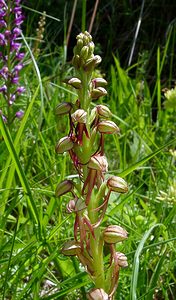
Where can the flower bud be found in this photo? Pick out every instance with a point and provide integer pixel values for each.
(75, 82)
(121, 260)
(97, 294)
(103, 111)
(90, 64)
(84, 53)
(80, 36)
(79, 46)
(97, 59)
(19, 114)
(63, 187)
(98, 92)
(114, 234)
(79, 43)
(80, 116)
(117, 184)
(93, 115)
(91, 48)
(98, 163)
(71, 248)
(88, 35)
(63, 108)
(99, 82)
(108, 127)
(64, 144)
(76, 61)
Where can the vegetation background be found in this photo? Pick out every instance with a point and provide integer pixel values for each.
(33, 222)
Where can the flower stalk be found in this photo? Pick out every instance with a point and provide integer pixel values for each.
(85, 145)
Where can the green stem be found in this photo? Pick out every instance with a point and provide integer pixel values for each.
(96, 242)
(83, 93)
(83, 15)
(96, 245)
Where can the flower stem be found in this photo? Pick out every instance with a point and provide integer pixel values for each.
(96, 246)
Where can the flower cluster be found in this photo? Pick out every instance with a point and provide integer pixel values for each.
(85, 144)
(170, 95)
(40, 34)
(11, 57)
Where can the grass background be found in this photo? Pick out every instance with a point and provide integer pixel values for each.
(33, 223)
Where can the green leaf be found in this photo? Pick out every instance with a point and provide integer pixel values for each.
(135, 270)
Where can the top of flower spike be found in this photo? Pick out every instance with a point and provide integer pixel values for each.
(84, 47)
(85, 36)
(84, 52)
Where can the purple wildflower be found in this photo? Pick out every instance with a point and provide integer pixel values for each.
(12, 99)
(16, 31)
(20, 90)
(19, 114)
(3, 88)
(3, 117)
(11, 17)
(20, 55)
(18, 67)
(2, 39)
(15, 80)
(3, 24)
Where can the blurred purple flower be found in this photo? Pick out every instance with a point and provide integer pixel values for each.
(15, 80)
(20, 90)
(3, 88)
(19, 114)
(11, 17)
(3, 117)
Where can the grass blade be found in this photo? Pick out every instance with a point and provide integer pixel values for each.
(11, 169)
(145, 159)
(24, 182)
(135, 271)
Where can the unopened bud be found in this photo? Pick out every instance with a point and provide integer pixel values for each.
(90, 64)
(108, 127)
(75, 82)
(121, 260)
(64, 144)
(103, 111)
(88, 35)
(19, 114)
(114, 234)
(117, 184)
(91, 48)
(80, 36)
(97, 294)
(85, 40)
(76, 61)
(80, 116)
(63, 108)
(98, 92)
(97, 59)
(84, 53)
(71, 248)
(93, 115)
(79, 45)
(99, 163)
(64, 187)
(99, 82)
